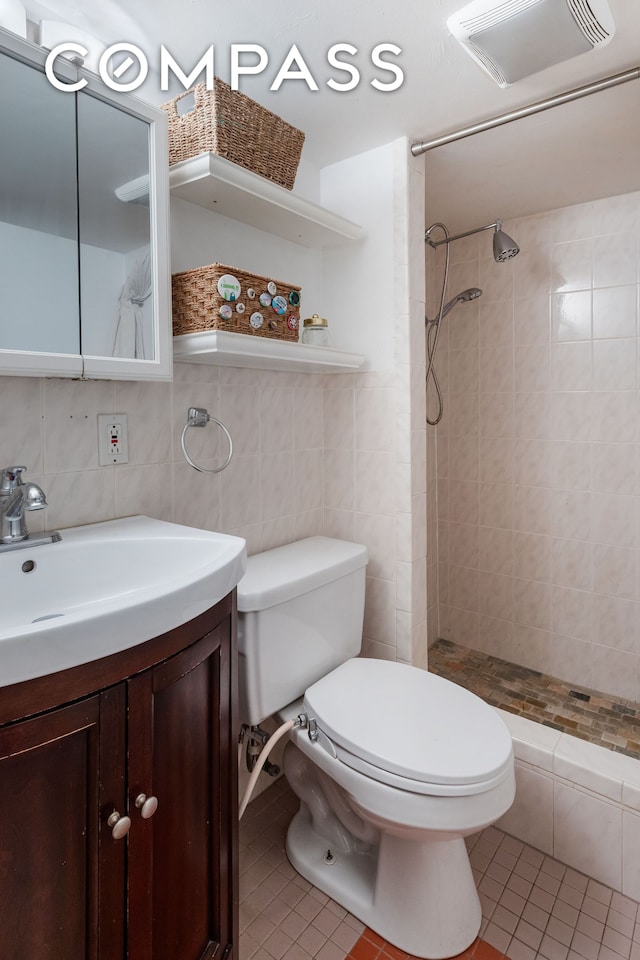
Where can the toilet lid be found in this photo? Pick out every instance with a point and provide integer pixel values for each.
(410, 723)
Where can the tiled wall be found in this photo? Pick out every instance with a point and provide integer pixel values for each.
(538, 473)
(564, 788)
(301, 443)
(375, 438)
(271, 492)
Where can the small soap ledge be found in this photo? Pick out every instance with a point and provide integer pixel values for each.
(264, 353)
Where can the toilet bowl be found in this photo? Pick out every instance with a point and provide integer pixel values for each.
(394, 767)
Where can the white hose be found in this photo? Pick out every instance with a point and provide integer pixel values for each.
(264, 753)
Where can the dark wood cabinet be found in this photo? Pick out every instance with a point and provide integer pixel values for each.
(74, 755)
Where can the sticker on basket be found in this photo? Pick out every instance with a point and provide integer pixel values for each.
(265, 299)
(240, 307)
(279, 305)
(251, 294)
(271, 287)
(229, 287)
(294, 298)
(256, 320)
(225, 311)
(292, 322)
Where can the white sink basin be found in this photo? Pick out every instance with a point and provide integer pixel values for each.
(106, 587)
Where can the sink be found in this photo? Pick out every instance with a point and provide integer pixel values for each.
(106, 587)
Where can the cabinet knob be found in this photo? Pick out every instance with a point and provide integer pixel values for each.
(146, 805)
(120, 825)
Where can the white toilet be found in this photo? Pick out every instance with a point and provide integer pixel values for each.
(396, 766)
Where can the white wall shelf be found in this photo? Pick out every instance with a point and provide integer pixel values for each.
(264, 353)
(228, 189)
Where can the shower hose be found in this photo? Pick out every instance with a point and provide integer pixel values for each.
(433, 335)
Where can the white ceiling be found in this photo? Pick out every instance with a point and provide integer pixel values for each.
(517, 167)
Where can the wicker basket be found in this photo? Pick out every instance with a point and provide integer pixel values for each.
(196, 304)
(230, 124)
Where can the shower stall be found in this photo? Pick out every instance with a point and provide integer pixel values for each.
(538, 450)
(533, 529)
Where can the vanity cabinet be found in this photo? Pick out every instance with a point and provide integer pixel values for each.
(75, 751)
(84, 263)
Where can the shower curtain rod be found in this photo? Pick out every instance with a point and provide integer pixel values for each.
(423, 145)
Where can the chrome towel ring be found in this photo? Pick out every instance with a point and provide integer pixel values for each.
(199, 417)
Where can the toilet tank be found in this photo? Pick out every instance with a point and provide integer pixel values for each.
(300, 615)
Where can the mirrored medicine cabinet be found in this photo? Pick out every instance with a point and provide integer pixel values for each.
(84, 269)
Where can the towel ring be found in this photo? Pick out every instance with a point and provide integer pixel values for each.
(199, 417)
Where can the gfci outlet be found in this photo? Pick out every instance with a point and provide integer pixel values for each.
(112, 438)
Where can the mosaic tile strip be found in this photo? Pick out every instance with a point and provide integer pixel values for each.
(588, 714)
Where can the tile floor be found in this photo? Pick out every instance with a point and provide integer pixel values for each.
(533, 906)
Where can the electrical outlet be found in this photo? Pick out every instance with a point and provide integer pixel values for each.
(112, 439)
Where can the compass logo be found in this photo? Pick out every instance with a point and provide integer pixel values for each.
(124, 67)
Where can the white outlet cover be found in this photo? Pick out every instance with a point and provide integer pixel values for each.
(107, 455)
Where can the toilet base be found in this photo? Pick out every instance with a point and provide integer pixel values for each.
(419, 896)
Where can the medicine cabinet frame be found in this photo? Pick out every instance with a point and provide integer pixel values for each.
(87, 366)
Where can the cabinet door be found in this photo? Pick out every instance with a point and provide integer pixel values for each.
(39, 317)
(85, 280)
(182, 860)
(123, 234)
(61, 776)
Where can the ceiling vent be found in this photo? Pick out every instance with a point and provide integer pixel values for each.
(512, 39)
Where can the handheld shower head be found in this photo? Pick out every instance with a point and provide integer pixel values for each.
(472, 293)
(504, 246)
(433, 334)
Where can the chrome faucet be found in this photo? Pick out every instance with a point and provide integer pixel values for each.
(16, 499)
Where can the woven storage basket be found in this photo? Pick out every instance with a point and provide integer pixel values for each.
(196, 304)
(230, 124)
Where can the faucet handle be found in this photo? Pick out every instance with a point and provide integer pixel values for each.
(10, 478)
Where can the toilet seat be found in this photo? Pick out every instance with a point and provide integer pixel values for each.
(409, 728)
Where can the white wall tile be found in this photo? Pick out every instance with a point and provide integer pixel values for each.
(631, 855)
(71, 409)
(145, 489)
(588, 765)
(595, 851)
(531, 817)
(277, 472)
(240, 493)
(375, 473)
(196, 496)
(22, 436)
(77, 498)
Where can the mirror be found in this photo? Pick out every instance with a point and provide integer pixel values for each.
(116, 298)
(38, 219)
(84, 233)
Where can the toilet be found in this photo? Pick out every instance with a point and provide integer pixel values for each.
(393, 766)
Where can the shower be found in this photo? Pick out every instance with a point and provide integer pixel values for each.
(504, 248)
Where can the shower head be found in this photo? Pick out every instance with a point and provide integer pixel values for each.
(472, 293)
(504, 247)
